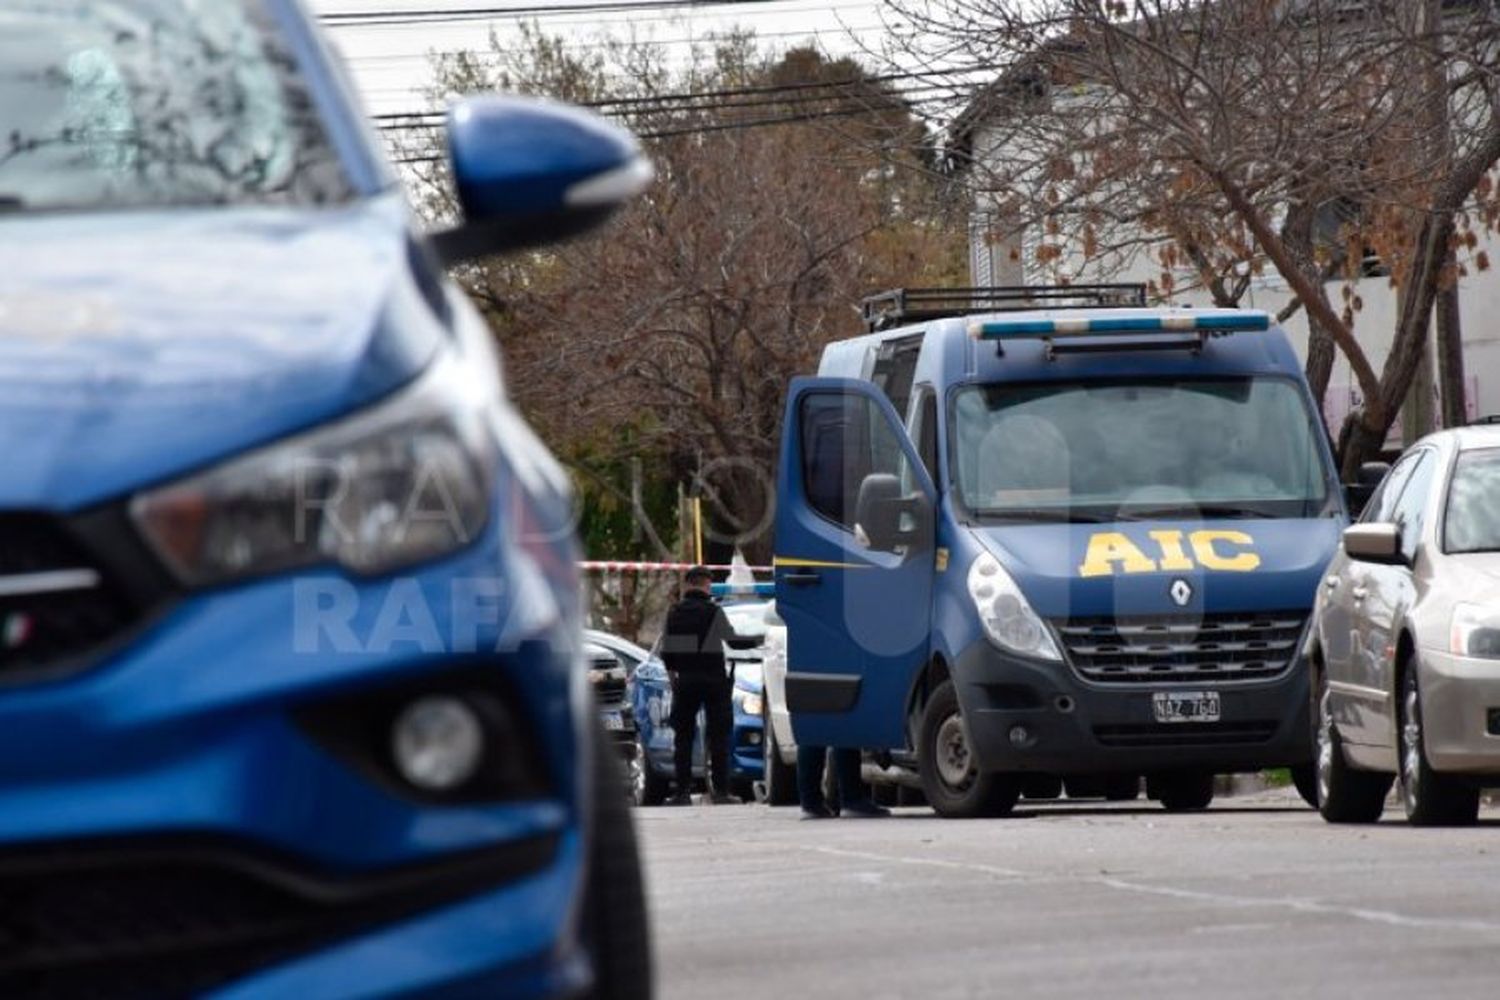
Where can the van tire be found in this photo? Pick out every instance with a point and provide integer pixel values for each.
(1305, 779)
(1344, 794)
(615, 929)
(779, 779)
(1182, 791)
(953, 785)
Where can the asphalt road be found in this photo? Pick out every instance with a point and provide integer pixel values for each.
(1255, 898)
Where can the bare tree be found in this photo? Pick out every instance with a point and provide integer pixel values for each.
(1318, 138)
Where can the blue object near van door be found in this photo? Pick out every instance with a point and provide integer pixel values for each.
(291, 696)
(1081, 540)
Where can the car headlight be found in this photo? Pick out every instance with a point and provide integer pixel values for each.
(1008, 618)
(1475, 632)
(750, 704)
(402, 482)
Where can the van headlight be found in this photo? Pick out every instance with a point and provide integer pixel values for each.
(1475, 631)
(1008, 618)
(400, 483)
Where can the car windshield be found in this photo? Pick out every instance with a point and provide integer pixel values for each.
(1090, 451)
(136, 103)
(1473, 522)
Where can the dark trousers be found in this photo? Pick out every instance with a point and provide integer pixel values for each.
(849, 785)
(712, 694)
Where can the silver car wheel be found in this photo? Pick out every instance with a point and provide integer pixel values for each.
(1325, 747)
(1411, 748)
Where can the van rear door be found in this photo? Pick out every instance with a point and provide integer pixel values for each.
(857, 617)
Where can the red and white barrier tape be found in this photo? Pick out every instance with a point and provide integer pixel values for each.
(656, 567)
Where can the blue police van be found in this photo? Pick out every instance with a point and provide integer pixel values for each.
(292, 701)
(1053, 531)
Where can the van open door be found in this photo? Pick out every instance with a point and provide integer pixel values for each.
(854, 564)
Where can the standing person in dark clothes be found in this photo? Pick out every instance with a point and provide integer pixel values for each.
(853, 798)
(693, 650)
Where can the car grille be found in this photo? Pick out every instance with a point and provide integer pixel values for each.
(165, 922)
(56, 602)
(1225, 647)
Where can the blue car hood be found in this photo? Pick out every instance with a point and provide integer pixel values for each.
(137, 346)
(1278, 565)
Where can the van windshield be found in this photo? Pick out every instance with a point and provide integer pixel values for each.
(1149, 448)
(147, 103)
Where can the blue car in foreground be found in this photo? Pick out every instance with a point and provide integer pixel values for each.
(293, 702)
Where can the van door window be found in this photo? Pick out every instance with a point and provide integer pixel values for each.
(844, 439)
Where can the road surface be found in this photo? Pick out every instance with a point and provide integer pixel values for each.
(1255, 898)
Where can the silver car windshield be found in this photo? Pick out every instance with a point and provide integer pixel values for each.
(141, 103)
(1473, 520)
(1221, 447)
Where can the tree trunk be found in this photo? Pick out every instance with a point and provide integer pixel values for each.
(1450, 359)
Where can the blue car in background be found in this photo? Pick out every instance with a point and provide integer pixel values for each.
(292, 701)
(652, 770)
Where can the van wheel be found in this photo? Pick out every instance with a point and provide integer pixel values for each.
(780, 779)
(614, 927)
(1431, 799)
(1181, 791)
(951, 780)
(1344, 795)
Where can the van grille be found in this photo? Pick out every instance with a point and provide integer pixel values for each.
(1225, 647)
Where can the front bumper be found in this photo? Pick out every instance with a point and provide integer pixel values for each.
(196, 732)
(1460, 695)
(1075, 727)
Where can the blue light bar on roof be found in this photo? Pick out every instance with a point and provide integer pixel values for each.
(743, 590)
(1023, 326)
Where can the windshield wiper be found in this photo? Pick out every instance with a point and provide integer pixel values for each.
(1189, 511)
(1040, 514)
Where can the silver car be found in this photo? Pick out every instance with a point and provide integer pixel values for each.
(1406, 643)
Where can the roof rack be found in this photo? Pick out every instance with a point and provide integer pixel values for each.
(916, 305)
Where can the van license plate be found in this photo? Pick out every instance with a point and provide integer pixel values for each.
(1186, 706)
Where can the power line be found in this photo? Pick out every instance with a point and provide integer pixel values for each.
(658, 100)
(452, 15)
(729, 126)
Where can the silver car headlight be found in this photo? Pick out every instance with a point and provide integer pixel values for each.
(397, 484)
(1007, 616)
(1475, 631)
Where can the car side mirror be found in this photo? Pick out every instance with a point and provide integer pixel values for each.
(1375, 543)
(530, 172)
(886, 520)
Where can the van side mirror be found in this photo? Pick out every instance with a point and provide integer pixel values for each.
(530, 172)
(885, 519)
(1375, 543)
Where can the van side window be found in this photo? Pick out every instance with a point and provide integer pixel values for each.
(896, 368)
(844, 439)
(925, 431)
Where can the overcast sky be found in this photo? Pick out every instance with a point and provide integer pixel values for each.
(392, 62)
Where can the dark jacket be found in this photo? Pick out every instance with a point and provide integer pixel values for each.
(693, 644)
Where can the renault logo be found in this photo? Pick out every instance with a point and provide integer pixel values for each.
(1181, 592)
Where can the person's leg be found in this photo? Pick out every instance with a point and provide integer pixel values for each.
(686, 697)
(810, 779)
(854, 797)
(719, 724)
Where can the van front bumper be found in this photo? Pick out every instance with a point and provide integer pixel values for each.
(1461, 712)
(1025, 715)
